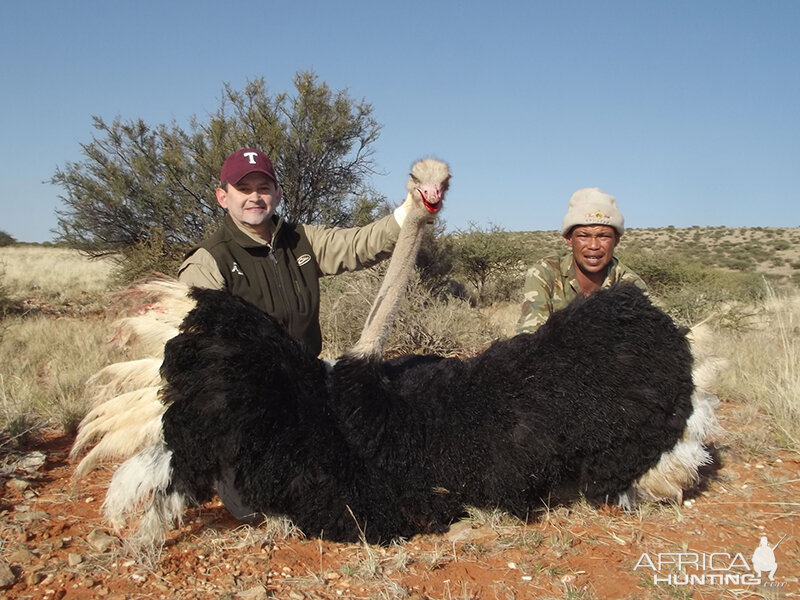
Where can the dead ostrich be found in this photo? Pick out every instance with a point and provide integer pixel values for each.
(600, 402)
(126, 413)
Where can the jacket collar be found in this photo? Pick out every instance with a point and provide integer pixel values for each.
(249, 240)
(568, 269)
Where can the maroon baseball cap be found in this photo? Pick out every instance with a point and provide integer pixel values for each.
(245, 161)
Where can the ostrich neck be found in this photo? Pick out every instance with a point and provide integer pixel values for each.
(381, 315)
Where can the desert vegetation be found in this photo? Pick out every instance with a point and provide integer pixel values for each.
(57, 306)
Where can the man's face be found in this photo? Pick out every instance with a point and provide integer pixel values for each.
(251, 201)
(592, 246)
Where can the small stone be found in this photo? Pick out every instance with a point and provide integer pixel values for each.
(34, 578)
(18, 485)
(74, 559)
(32, 461)
(258, 592)
(30, 517)
(460, 531)
(466, 531)
(100, 540)
(7, 577)
(22, 556)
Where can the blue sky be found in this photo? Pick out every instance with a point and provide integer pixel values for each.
(687, 111)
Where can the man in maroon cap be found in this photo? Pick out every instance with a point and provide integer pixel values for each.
(275, 264)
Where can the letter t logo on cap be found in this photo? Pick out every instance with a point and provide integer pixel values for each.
(251, 156)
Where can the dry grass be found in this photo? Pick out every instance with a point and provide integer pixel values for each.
(52, 274)
(50, 347)
(764, 372)
(252, 538)
(46, 362)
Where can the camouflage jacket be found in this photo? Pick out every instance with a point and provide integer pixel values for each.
(551, 284)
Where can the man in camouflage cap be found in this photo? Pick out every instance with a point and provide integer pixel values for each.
(592, 228)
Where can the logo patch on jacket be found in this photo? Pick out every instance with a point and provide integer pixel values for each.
(303, 259)
(235, 269)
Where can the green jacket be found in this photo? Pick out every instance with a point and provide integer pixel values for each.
(551, 284)
(282, 277)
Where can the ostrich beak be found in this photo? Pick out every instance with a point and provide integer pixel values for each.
(431, 196)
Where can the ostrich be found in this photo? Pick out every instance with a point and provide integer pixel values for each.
(126, 409)
(600, 401)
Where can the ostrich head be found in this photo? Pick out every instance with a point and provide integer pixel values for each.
(429, 178)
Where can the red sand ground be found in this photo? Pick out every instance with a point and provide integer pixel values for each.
(572, 552)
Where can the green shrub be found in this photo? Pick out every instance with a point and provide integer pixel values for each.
(6, 239)
(154, 255)
(780, 244)
(436, 260)
(6, 304)
(489, 260)
(691, 291)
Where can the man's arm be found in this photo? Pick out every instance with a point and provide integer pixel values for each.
(354, 248)
(625, 275)
(537, 304)
(201, 270)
